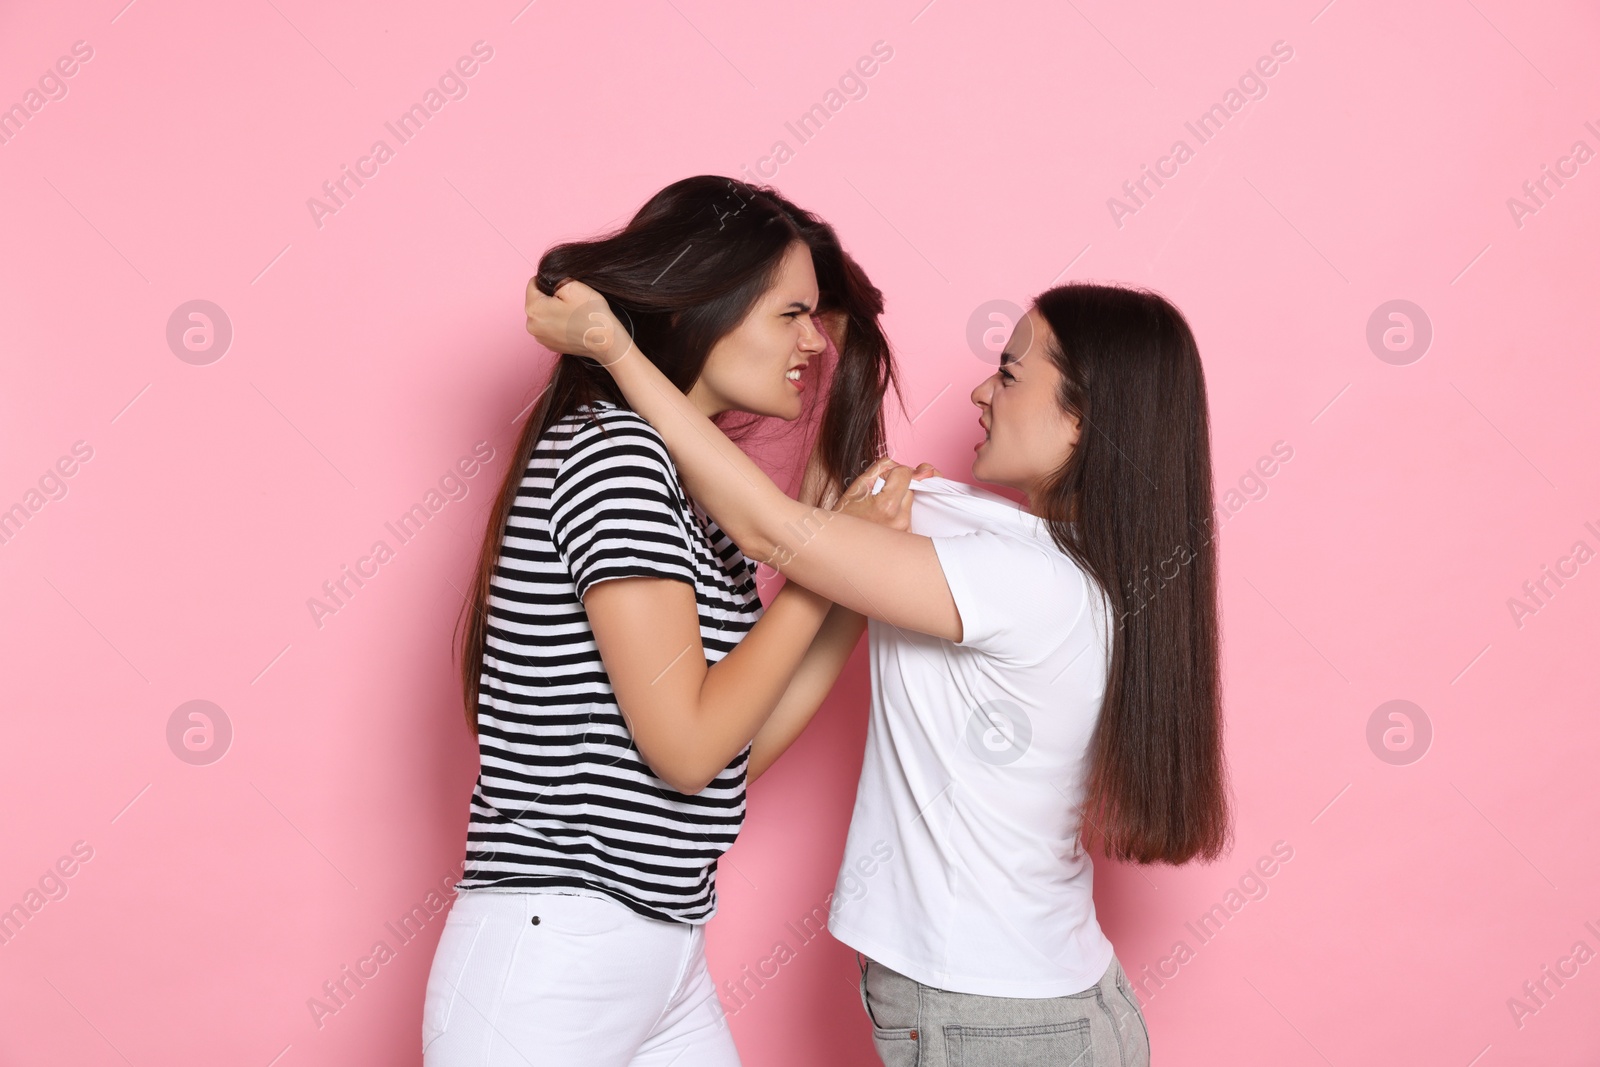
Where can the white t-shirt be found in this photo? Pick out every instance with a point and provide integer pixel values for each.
(961, 869)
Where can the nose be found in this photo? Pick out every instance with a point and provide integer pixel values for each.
(811, 340)
(984, 390)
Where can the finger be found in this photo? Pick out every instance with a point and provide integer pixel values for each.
(548, 309)
(926, 470)
(881, 463)
(897, 478)
(862, 486)
(572, 291)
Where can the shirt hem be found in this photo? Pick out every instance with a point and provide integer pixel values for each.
(1025, 989)
(527, 884)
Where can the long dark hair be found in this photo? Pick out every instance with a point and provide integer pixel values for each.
(1137, 488)
(682, 274)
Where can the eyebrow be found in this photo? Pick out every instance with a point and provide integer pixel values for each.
(799, 305)
(1007, 357)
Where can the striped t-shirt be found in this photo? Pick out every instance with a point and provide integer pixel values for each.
(563, 800)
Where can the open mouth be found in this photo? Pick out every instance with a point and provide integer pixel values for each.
(793, 377)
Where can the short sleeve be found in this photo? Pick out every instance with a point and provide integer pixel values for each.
(616, 510)
(1018, 599)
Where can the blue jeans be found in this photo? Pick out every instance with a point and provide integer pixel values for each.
(915, 1025)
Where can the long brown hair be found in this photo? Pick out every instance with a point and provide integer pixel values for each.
(682, 274)
(1137, 489)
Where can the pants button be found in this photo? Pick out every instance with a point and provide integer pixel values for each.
(536, 920)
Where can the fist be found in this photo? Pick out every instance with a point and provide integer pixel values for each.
(576, 321)
(891, 505)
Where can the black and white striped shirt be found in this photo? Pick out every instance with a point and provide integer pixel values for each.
(563, 798)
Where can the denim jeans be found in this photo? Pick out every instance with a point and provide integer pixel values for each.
(914, 1025)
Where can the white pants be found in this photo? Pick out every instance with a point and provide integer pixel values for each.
(543, 979)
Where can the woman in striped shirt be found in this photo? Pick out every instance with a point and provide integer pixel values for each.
(621, 676)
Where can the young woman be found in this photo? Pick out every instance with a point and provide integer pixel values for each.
(1042, 677)
(620, 674)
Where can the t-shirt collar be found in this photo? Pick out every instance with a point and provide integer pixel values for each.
(998, 510)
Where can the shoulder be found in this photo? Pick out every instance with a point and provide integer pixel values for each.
(611, 437)
(1016, 594)
(613, 453)
(1036, 561)
(601, 426)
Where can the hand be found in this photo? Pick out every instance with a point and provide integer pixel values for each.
(891, 505)
(576, 321)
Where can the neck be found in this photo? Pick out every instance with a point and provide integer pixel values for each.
(1033, 502)
(1032, 493)
(705, 401)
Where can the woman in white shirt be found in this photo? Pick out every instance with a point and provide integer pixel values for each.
(1012, 722)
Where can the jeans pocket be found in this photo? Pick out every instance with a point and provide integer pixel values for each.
(450, 960)
(1066, 1044)
(897, 1046)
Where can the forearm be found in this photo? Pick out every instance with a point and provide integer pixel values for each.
(870, 567)
(741, 691)
(755, 513)
(829, 652)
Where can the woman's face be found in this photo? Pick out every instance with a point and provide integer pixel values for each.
(1027, 435)
(761, 366)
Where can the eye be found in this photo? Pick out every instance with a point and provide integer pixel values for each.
(1007, 376)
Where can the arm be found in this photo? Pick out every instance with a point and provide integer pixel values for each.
(834, 643)
(828, 654)
(689, 720)
(887, 574)
(841, 631)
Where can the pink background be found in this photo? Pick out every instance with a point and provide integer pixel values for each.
(371, 353)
